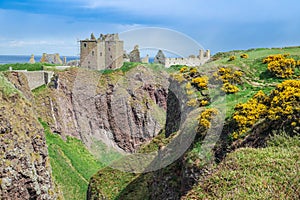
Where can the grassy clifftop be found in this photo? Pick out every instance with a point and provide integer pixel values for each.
(247, 173)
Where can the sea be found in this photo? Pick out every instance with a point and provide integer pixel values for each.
(9, 59)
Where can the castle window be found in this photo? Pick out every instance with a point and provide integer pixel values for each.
(84, 45)
(93, 53)
(100, 53)
(110, 56)
(108, 48)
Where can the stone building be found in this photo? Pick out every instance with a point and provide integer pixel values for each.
(51, 58)
(191, 61)
(160, 58)
(106, 52)
(32, 60)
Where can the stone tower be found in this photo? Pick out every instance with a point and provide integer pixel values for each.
(106, 52)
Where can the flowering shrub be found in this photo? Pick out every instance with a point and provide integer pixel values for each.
(192, 102)
(280, 66)
(271, 58)
(178, 77)
(281, 107)
(229, 88)
(200, 82)
(231, 58)
(244, 55)
(229, 77)
(247, 114)
(183, 69)
(206, 116)
(285, 103)
(204, 102)
(193, 70)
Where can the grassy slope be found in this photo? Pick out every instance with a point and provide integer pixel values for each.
(258, 166)
(24, 66)
(111, 183)
(255, 72)
(268, 173)
(72, 164)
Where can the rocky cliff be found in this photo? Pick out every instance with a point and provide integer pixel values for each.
(121, 109)
(25, 171)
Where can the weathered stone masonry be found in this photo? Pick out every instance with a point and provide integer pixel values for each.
(106, 52)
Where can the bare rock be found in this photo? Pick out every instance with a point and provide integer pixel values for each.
(25, 171)
(123, 112)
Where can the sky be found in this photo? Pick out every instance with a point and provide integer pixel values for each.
(37, 26)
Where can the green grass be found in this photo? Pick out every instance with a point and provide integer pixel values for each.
(72, 164)
(103, 153)
(113, 184)
(110, 182)
(126, 67)
(6, 87)
(39, 89)
(256, 76)
(253, 67)
(24, 66)
(248, 173)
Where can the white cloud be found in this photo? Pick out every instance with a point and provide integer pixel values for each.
(197, 10)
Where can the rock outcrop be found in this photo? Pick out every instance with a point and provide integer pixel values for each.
(160, 58)
(20, 82)
(121, 110)
(25, 171)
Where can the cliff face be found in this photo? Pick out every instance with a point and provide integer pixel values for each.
(25, 172)
(122, 110)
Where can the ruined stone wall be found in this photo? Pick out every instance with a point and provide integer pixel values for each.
(105, 52)
(192, 62)
(101, 55)
(37, 78)
(114, 54)
(88, 54)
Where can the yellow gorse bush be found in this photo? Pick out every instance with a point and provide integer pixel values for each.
(280, 66)
(201, 82)
(229, 88)
(229, 77)
(247, 114)
(285, 102)
(206, 116)
(244, 55)
(183, 69)
(192, 102)
(231, 58)
(281, 106)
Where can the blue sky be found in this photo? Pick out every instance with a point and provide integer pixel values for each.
(37, 26)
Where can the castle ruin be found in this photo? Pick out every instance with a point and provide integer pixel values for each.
(191, 61)
(106, 52)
